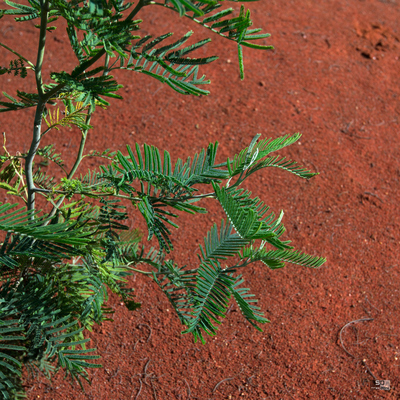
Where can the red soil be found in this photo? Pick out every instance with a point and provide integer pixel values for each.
(334, 76)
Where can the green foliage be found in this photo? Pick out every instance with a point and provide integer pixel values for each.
(159, 63)
(16, 67)
(236, 29)
(57, 267)
(26, 100)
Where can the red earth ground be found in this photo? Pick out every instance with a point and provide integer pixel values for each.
(334, 76)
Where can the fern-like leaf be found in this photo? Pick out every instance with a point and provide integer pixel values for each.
(277, 258)
(155, 219)
(223, 244)
(178, 284)
(10, 349)
(248, 215)
(149, 168)
(107, 154)
(246, 301)
(212, 294)
(46, 319)
(169, 65)
(90, 88)
(44, 181)
(93, 180)
(173, 183)
(202, 169)
(48, 153)
(73, 115)
(22, 9)
(25, 100)
(103, 25)
(18, 222)
(252, 158)
(222, 23)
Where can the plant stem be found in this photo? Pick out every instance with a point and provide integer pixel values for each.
(39, 109)
(106, 64)
(139, 5)
(42, 45)
(81, 147)
(235, 267)
(51, 93)
(143, 272)
(89, 194)
(74, 168)
(43, 98)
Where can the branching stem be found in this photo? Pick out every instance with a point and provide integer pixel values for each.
(39, 109)
(74, 168)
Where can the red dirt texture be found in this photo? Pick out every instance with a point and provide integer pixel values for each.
(334, 76)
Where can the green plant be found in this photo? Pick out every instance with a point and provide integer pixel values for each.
(56, 267)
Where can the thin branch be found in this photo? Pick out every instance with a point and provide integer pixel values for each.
(46, 131)
(138, 270)
(236, 266)
(89, 194)
(350, 354)
(19, 55)
(120, 196)
(188, 389)
(140, 389)
(106, 64)
(345, 326)
(219, 383)
(134, 12)
(81, 147)
(173, 199)
(50, 94)
(148, 337)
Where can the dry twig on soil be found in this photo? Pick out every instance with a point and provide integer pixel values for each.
(344, 348)
(150, 330)
(347, 325)
(219, 383)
